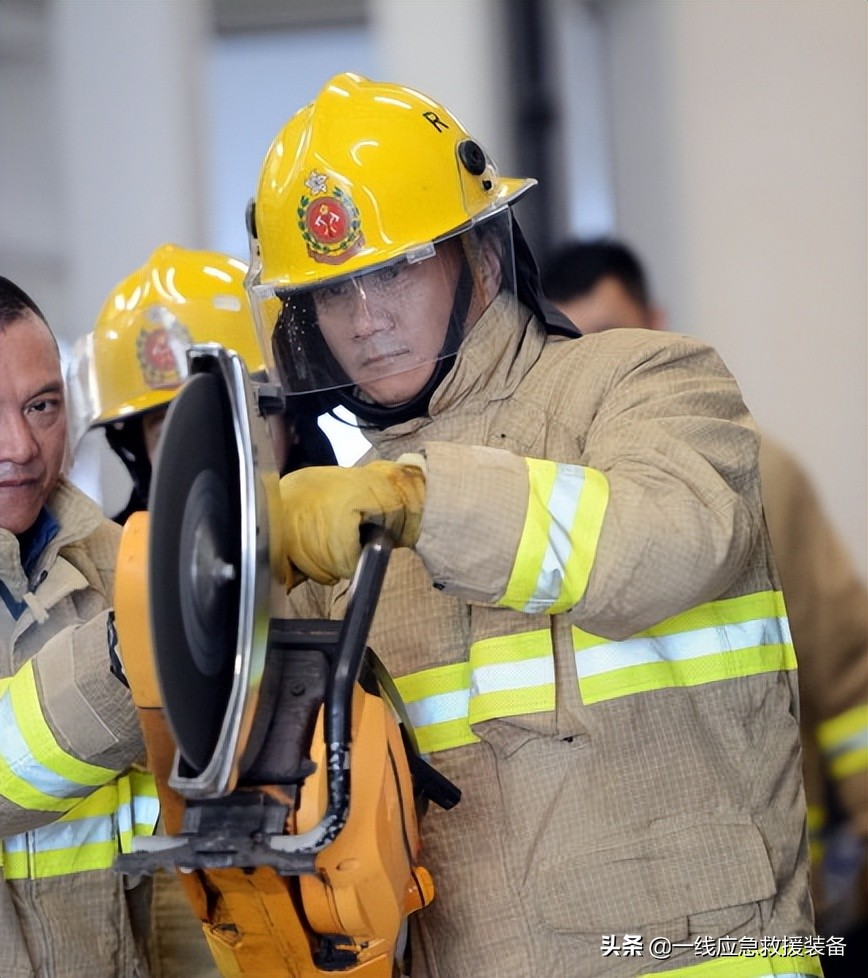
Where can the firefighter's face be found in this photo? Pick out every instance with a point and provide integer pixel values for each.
(386, 329)
(32, 420)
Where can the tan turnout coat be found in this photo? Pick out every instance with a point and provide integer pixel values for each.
(670, 813)
(88, 924)
(827, 603)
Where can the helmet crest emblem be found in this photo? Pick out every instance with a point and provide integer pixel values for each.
(160, 350)
(329, 222)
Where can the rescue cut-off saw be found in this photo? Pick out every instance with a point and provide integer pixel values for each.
(290, 784)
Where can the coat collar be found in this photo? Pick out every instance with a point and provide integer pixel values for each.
(77, 515)
(494, 358)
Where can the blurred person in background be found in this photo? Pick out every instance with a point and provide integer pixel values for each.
(71, 794)
(582, 611)
(601, 284)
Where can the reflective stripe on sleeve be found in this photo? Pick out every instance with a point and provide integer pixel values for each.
(506, 676)
(36, 773)
(558, 544)
(816, 828)
(138, 807)
(437, 702)
(90, 836)
(844, 742)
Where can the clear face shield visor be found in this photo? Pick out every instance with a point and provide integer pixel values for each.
(82, 405)
(381, 331)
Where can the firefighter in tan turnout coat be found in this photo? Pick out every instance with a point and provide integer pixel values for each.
(583, 614)
(70, 798)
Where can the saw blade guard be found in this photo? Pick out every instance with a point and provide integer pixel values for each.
(215, 515)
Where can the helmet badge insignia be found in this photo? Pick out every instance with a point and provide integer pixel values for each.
(161, 349)
(329, 222)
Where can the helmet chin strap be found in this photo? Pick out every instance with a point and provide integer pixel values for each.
(378, 416)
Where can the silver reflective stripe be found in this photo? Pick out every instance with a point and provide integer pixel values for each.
(611, 656)
(19, 759)
(510, 676)
(439, 707)
(143, 810)
(563, 505)
(505, 677)
(63, 835)
(857, 741)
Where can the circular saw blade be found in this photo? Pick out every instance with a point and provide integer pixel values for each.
(194, 558)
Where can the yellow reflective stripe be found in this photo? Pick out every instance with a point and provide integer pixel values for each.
(23, 780)
(844, 742)
(506, 676)
(585, 534)
(816, 819)
(514, 674)
(138, 807)
(60, 862)
(816, 824)
(725, 611)
(534, 536)
(719, 640)
(511, 675)
(103, 801)
(143, 783)
(40, 738)
(558, 543)
(816, 851)
(89, 836)
(696, 672)
(427, 682)
(437, 704)
(854, 762)
(744, 966)
(445, 736)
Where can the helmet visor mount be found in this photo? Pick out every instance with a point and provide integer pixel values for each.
(381, 331)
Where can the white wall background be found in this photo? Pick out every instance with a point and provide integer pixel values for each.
(740, 158)
(243, 122)
(725, 139)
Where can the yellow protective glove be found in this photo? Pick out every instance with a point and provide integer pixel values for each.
(324, 508)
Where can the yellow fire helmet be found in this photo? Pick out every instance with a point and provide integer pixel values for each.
(369, 171)
(135, 357)
(361, 185)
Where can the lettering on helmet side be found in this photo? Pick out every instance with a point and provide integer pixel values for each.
(435, 121)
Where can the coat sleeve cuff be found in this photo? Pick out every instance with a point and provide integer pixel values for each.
(475, 505)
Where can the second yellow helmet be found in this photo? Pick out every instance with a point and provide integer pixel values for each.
(135, 357)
